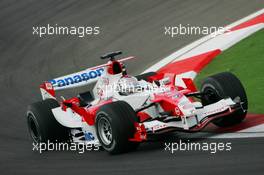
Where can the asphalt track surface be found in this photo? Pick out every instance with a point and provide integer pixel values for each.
(136, 27)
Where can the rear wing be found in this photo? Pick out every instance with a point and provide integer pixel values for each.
(74, 80)
(78, 79)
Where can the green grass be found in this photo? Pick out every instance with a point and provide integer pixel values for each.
(246, 61)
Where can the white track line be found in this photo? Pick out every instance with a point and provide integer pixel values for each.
(237, 135)
(222, 41)
(255, 131)
(176, 55)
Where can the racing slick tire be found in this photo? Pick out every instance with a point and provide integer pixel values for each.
(221, 86)
(115, 125)
(42, 125)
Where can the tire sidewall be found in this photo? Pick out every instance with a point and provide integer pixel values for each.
(31, 116)
(48, 127)
(112, 145)
(121, 117)
(223, 85)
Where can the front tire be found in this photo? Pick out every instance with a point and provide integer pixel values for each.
(224, 85)
(114, 127)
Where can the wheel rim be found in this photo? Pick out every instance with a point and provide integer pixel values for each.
(105, 131)
(33, 129)
(212, 96)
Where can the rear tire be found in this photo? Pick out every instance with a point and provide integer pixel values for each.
(224, 85)
(115, 125)
(42, 125)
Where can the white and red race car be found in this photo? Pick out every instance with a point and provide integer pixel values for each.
(121, 111)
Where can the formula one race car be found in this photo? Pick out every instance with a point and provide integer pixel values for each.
(122, 110)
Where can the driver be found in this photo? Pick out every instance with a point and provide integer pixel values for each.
(128, 85)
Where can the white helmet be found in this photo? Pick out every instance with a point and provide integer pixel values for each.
(128, 85)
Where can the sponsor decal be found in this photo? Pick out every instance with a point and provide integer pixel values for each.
(88, 136)
(48, 86)
(77, 78)
(158, 127)
(214, 111)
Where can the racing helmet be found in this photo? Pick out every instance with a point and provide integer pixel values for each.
(128, 85)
